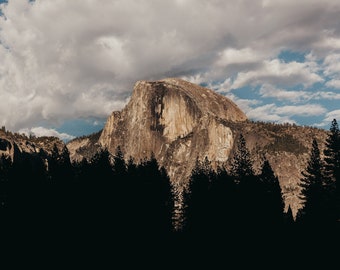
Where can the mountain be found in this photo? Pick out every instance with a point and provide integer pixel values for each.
(178, 122)
(16, 145)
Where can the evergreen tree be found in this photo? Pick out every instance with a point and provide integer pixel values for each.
(196, 198)
(270, 196)
(248, 186)
(222, 196)
(241, 163)
(101, 167)
(59, 166)
(101, 192)
(152, 200)
(131, 168)
(288, 217)
(65, 166)
(5, 168)
(313, 189)
(5, 176)
(119, 165)
(332, 169)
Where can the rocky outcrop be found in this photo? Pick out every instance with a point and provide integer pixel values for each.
(178, 122)
(15, 145)
(287, 148)
(84, 147)
(175, 120)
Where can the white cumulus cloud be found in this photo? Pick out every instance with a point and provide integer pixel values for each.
(66, 59)
(41, 132)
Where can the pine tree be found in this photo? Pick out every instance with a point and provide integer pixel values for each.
(5, 168)
(101, 167)
(313, 189)
(272, 203)
(5, 175)
(151, 203)
(119, 164)
(288, 217)
(332, 169)
(196, 198)
(241, 163)
(248, 185)
(222, 197)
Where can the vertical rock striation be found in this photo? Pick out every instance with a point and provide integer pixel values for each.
(178, 122)
(175, 120)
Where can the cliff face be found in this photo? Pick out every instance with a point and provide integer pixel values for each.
(14, 145)
(179, 121)
(175, 120)
(84, 147)
(286, 147)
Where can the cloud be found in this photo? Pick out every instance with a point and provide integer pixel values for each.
(41, 131)
(245, 104)
(268, 113)
(334, 114)
(281, 114)
(334, 83)
(66, 59)
(331, 64)
(269, 91)
(232, 56)
(273, 113)
(301, 110)
(279, 73)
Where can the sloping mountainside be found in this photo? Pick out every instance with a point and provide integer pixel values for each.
(84, 147)
(178, 122)
(16, 145)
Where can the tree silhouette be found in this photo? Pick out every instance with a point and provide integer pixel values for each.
(5, 177)
(332, 169)
(223, 195)
(119, 164)
(196, 198)
(101, 167)
(149, 199)
(248, 185)
(288, 217)
(313, 190)
(241, 163)
(270, 196)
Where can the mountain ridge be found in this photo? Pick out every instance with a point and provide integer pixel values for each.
(179, 121)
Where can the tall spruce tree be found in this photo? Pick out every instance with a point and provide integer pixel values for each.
(5, 175)
(248, 185)
(241, 163)
(272, 204)
(152, 200)
(119, 164)
(196, 204)
(222, 197)
(312, 192)
(332, 169)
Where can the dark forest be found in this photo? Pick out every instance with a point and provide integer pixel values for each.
(108, 200)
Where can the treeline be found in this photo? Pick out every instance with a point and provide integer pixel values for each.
(105, 197)
(110, 197)
(320, 185)
(224, 202)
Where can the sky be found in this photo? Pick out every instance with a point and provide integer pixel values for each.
(67, 64)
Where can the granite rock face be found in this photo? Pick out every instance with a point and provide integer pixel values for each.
(178, 122)
(175, 120)
(16, 145)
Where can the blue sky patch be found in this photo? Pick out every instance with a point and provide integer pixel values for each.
(79, 127)
(290, 56)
